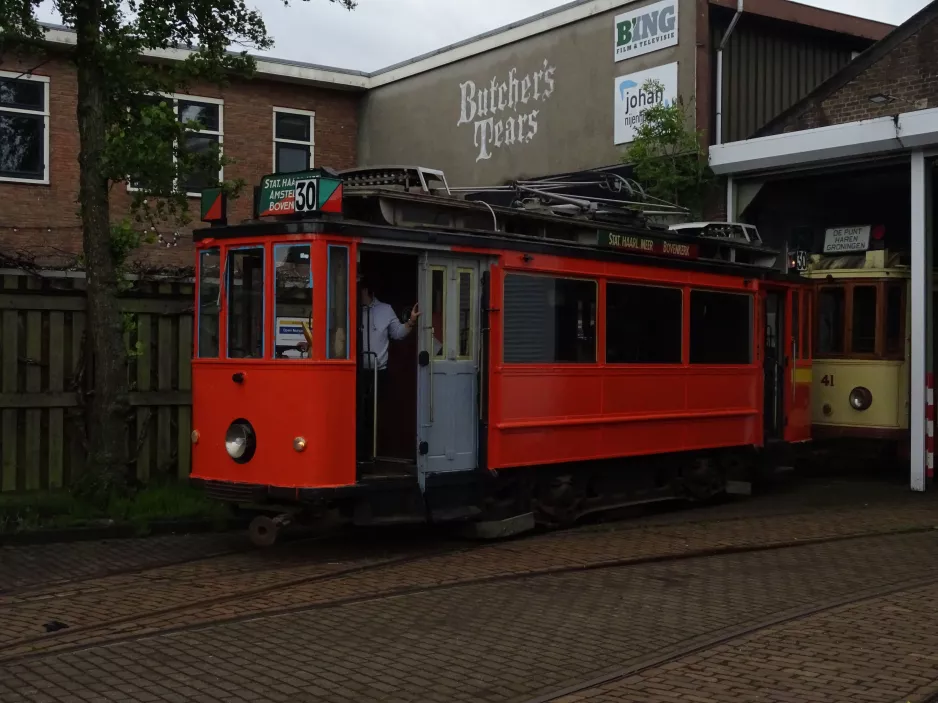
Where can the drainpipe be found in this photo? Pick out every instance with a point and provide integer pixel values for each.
(726, 39)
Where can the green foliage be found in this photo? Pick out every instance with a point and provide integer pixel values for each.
(146, 143)
(168, 501)
(670, 158)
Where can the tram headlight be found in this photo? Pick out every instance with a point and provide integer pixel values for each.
(861, 398)
(240, 441)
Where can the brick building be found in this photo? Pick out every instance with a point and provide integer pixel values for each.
(289, 116)
(858, 150)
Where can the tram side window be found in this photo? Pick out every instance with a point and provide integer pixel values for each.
(895, 317)
(549, 320)
(209, 303)
(643, 324)
(293, 301)
(720, 328)
(831, 303)
(864, 320)
(338, 303)
(245, 276)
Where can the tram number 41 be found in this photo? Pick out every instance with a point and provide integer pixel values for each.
(305, 198)
(828, 381)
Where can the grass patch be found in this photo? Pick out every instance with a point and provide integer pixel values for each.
(60, 509)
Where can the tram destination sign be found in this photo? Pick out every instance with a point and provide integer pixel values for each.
(295, 193)
(839, 240)
(648, 245)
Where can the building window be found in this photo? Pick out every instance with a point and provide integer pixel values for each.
(549, 320)
(204, 137)
(293, 140)
(720, 328)
(24, 128)
(644, 324)
(205, 117)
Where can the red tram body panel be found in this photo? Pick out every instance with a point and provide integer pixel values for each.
(543, 377)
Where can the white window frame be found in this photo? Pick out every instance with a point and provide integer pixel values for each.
(312, 135)
(45, 125)
(175, 98)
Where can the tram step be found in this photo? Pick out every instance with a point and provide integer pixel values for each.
(500, 529)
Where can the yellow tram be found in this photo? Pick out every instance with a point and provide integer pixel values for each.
(861, 347)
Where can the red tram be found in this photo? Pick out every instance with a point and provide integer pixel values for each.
(567, 358)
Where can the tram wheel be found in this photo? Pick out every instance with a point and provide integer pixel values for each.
(263, 531)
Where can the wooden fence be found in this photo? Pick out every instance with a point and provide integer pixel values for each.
(42, 378)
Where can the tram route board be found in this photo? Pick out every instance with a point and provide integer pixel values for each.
(281, 193)
(648, 245)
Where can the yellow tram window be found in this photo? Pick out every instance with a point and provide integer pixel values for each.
(895, 315)
(831, 306)
(293, 301)
(864, 320)
(209, 302)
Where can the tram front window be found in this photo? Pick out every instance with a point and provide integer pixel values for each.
(293, 301)
(831, 305)
(245, 277)
(864, 320)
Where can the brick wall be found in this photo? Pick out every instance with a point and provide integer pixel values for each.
(42, 220)
(909, 72)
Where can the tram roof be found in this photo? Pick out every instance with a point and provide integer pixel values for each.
(412, 204)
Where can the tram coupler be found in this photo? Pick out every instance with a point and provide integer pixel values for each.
(264, 530)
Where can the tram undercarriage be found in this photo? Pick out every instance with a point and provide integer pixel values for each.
(508, 502)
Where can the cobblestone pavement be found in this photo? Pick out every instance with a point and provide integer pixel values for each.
(884, 649)
(418, 616)
(515, 640)
(36, 565)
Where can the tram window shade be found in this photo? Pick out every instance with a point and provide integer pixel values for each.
(209, 302)
(864, 320)
(831, 315)
(293, 301)
(245, 277)
(643, 324)
(895, 312)
(720, 328)
(549, 320)
(338, 303)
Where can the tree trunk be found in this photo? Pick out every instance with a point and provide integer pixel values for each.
(106, 408)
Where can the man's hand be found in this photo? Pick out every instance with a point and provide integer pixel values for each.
(414, 314)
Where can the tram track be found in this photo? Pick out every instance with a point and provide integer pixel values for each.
(698, 645)
(142, 625)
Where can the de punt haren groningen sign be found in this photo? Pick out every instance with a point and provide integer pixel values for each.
(846, 239)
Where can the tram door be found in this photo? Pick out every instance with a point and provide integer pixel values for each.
(774, 363)
(787, 363)
(448, 359)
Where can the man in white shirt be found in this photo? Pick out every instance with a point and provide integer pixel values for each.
(379, 325)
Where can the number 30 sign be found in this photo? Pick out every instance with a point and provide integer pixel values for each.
(305, 197)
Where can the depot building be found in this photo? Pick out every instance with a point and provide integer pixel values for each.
(846, 176)
(564, 91)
